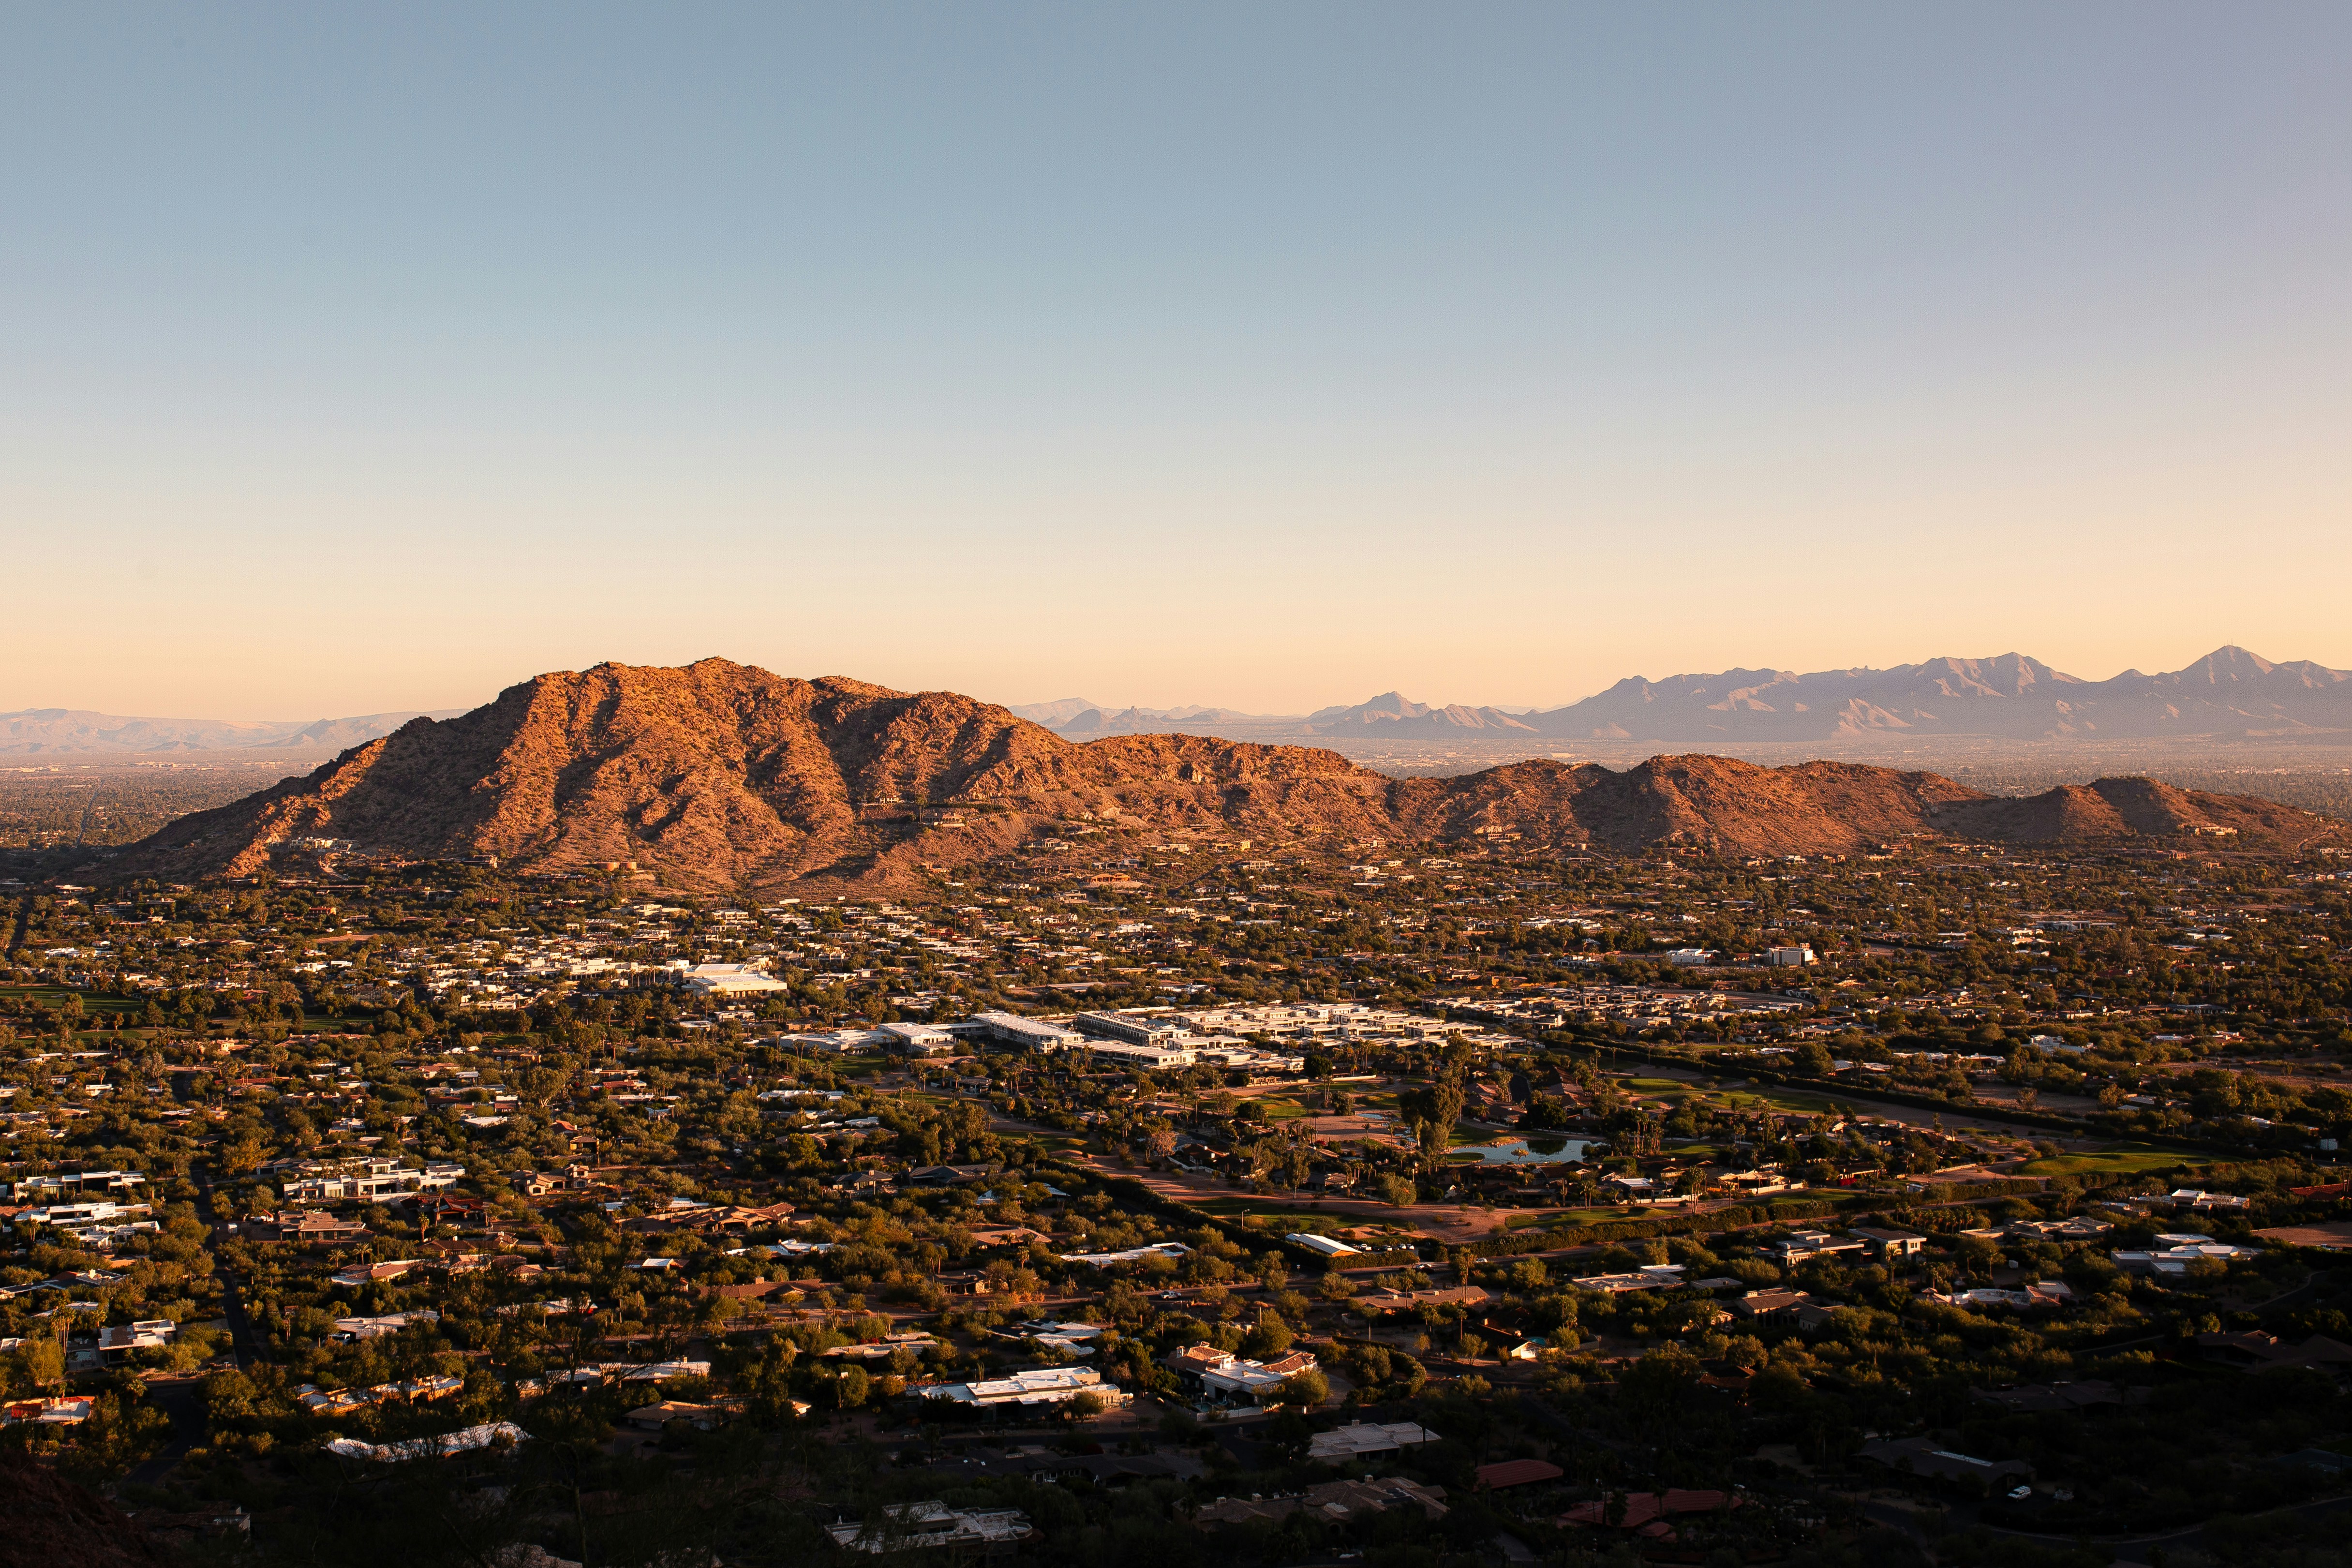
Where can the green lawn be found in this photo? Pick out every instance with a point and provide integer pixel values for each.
(1562, 1217)
(1779, 1099)
(2124, 1159)
(1284, 1219)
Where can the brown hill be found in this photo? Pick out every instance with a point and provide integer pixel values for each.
(719, 773)
(53, 1524)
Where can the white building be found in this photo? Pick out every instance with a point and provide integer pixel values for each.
(918, 1039)
(1365, 1439)
(730, 980)
(1039, 1386)
(1030, 1034)
(1155, 1057)
(841, 1042)
(908, 1525)
(1135, 1028)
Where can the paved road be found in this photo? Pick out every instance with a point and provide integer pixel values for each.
(181, 1396)
(21, 924)
(2125, 1549)
(244, 1348)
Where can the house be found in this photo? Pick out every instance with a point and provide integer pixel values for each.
(308, 1228)
(1643, 1512)
(2180, 1252)
(2202, 1202)
(910, 1525)
(115, 1343)
(1806, 1245)
(730, 980)
(356, 1329)
(1784, 1308)
(1517, 1473)
(1394, 1301)
(920, 1039)
(1921, 1456)
(447, 1208)
(455, 1256)
(1322, 1243)
(1004, 1236)
(1339, 1503)
(1029, 1034)
(2263, 1353)
(1650, 1277)
(366, 1181)
(656, 1416)
(59, 1183)
(1038, 1388)
(359, 1274)
(1130, 1255)
(2040, 1293)
(949, 1175)
(914, 1341)
(69, 1411)
(1889, 1246)
(1077, 1338)
(1367, 1439)
(1221, 1377)
(2038, 1398)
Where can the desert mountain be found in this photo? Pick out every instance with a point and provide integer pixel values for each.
(1393, 714)
(1056, 713)
(2229, 694)
(719, 773)
(1090, 721)
(77, 732)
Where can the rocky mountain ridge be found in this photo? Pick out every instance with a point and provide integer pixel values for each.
(720, 774)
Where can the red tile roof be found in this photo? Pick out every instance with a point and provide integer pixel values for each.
(1518, 1472)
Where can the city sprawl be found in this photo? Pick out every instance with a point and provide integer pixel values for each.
(1167, 1198)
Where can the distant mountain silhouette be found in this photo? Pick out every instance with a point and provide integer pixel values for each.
(2229, 694)
(77, 732)
(722, 774)
(1393, 714)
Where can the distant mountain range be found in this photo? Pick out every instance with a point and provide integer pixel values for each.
(720, 774)
(76, 732)
(2229, 694)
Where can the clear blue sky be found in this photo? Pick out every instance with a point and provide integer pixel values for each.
(355, 357)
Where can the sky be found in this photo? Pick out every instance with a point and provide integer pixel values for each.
(355, 358)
